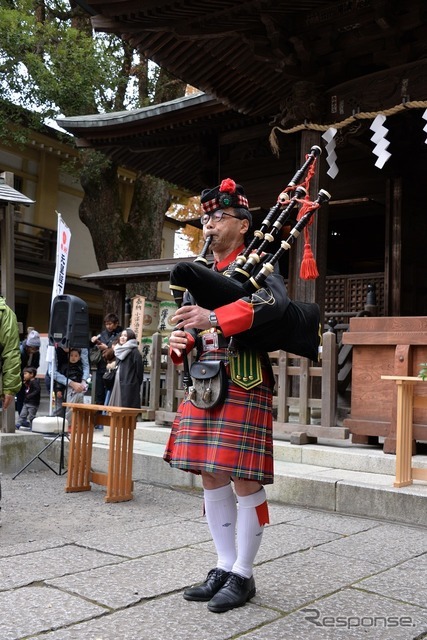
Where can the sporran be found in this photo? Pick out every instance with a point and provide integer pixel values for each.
(209, 386)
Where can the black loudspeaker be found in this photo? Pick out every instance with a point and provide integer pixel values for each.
(69, 322)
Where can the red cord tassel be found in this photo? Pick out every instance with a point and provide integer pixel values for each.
(308, 270)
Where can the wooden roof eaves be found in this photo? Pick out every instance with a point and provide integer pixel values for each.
(181, 108)
(119, 273)
(9, 194)
(143, 132)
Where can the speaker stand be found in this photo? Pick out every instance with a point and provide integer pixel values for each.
(62, 435)
(61, 471)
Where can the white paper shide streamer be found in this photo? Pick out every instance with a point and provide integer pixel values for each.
(331, 158)
(380, 140)
(424, 116)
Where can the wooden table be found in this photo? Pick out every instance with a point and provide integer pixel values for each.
(406, 402)
(118, 479)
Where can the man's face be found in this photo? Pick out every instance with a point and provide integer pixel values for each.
(228, 232)
(110, 326)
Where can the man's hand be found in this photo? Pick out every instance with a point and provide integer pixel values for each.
(178, 341)
(79, 387)
(192, 317)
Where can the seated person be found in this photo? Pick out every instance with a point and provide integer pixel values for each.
(69, 379)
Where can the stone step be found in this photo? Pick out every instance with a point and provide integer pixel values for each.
(333, 476)
(337, 454)
(337, 477)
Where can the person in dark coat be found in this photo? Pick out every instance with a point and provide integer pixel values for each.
(69, 381)
(32, 398)
(126, 391)
(99, 343)
(30, 357)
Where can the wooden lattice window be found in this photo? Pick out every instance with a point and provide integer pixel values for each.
(347, 293)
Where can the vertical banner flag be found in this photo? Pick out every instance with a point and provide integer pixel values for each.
(63, 238)
(137, 318)
(62, 249)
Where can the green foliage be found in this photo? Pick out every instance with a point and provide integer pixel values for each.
(52, 64)
(423, 371)
(15, 124)
(47, 64)
(95, 164)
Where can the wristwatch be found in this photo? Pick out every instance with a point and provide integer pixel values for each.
(213, 319)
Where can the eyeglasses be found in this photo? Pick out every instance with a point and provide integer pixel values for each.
(216, 216)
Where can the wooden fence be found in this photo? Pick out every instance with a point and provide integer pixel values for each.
(304, 401)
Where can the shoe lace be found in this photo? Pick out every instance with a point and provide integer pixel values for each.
(234, 578)
(215, 573)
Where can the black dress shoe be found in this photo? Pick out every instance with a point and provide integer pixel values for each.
(216, 578)
(235, 593)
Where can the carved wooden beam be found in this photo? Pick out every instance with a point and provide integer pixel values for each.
(378, 91)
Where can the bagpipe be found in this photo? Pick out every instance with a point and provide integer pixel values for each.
(296, 327)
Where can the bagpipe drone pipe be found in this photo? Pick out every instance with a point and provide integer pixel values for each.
(295, 327)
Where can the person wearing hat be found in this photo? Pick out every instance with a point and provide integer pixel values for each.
(232, 442)
(30, 357)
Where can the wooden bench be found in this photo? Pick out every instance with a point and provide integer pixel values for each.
(118, 479)
(406, 403)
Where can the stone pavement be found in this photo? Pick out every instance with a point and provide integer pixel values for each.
(75, 567)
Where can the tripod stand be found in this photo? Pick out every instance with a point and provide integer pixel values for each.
(61, 471)
(61, 435)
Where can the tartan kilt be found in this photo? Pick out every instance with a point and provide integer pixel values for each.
(235, 437)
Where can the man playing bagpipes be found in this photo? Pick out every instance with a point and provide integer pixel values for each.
(232, 440)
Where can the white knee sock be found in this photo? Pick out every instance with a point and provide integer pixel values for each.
(221, 514)
(252, 515)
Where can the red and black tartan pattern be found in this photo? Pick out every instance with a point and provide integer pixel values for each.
(235, 437)
(212, 205)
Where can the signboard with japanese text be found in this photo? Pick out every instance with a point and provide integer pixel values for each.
(137, 317)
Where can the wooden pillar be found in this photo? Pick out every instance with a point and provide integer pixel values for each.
(8, 248)
(393, 249)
